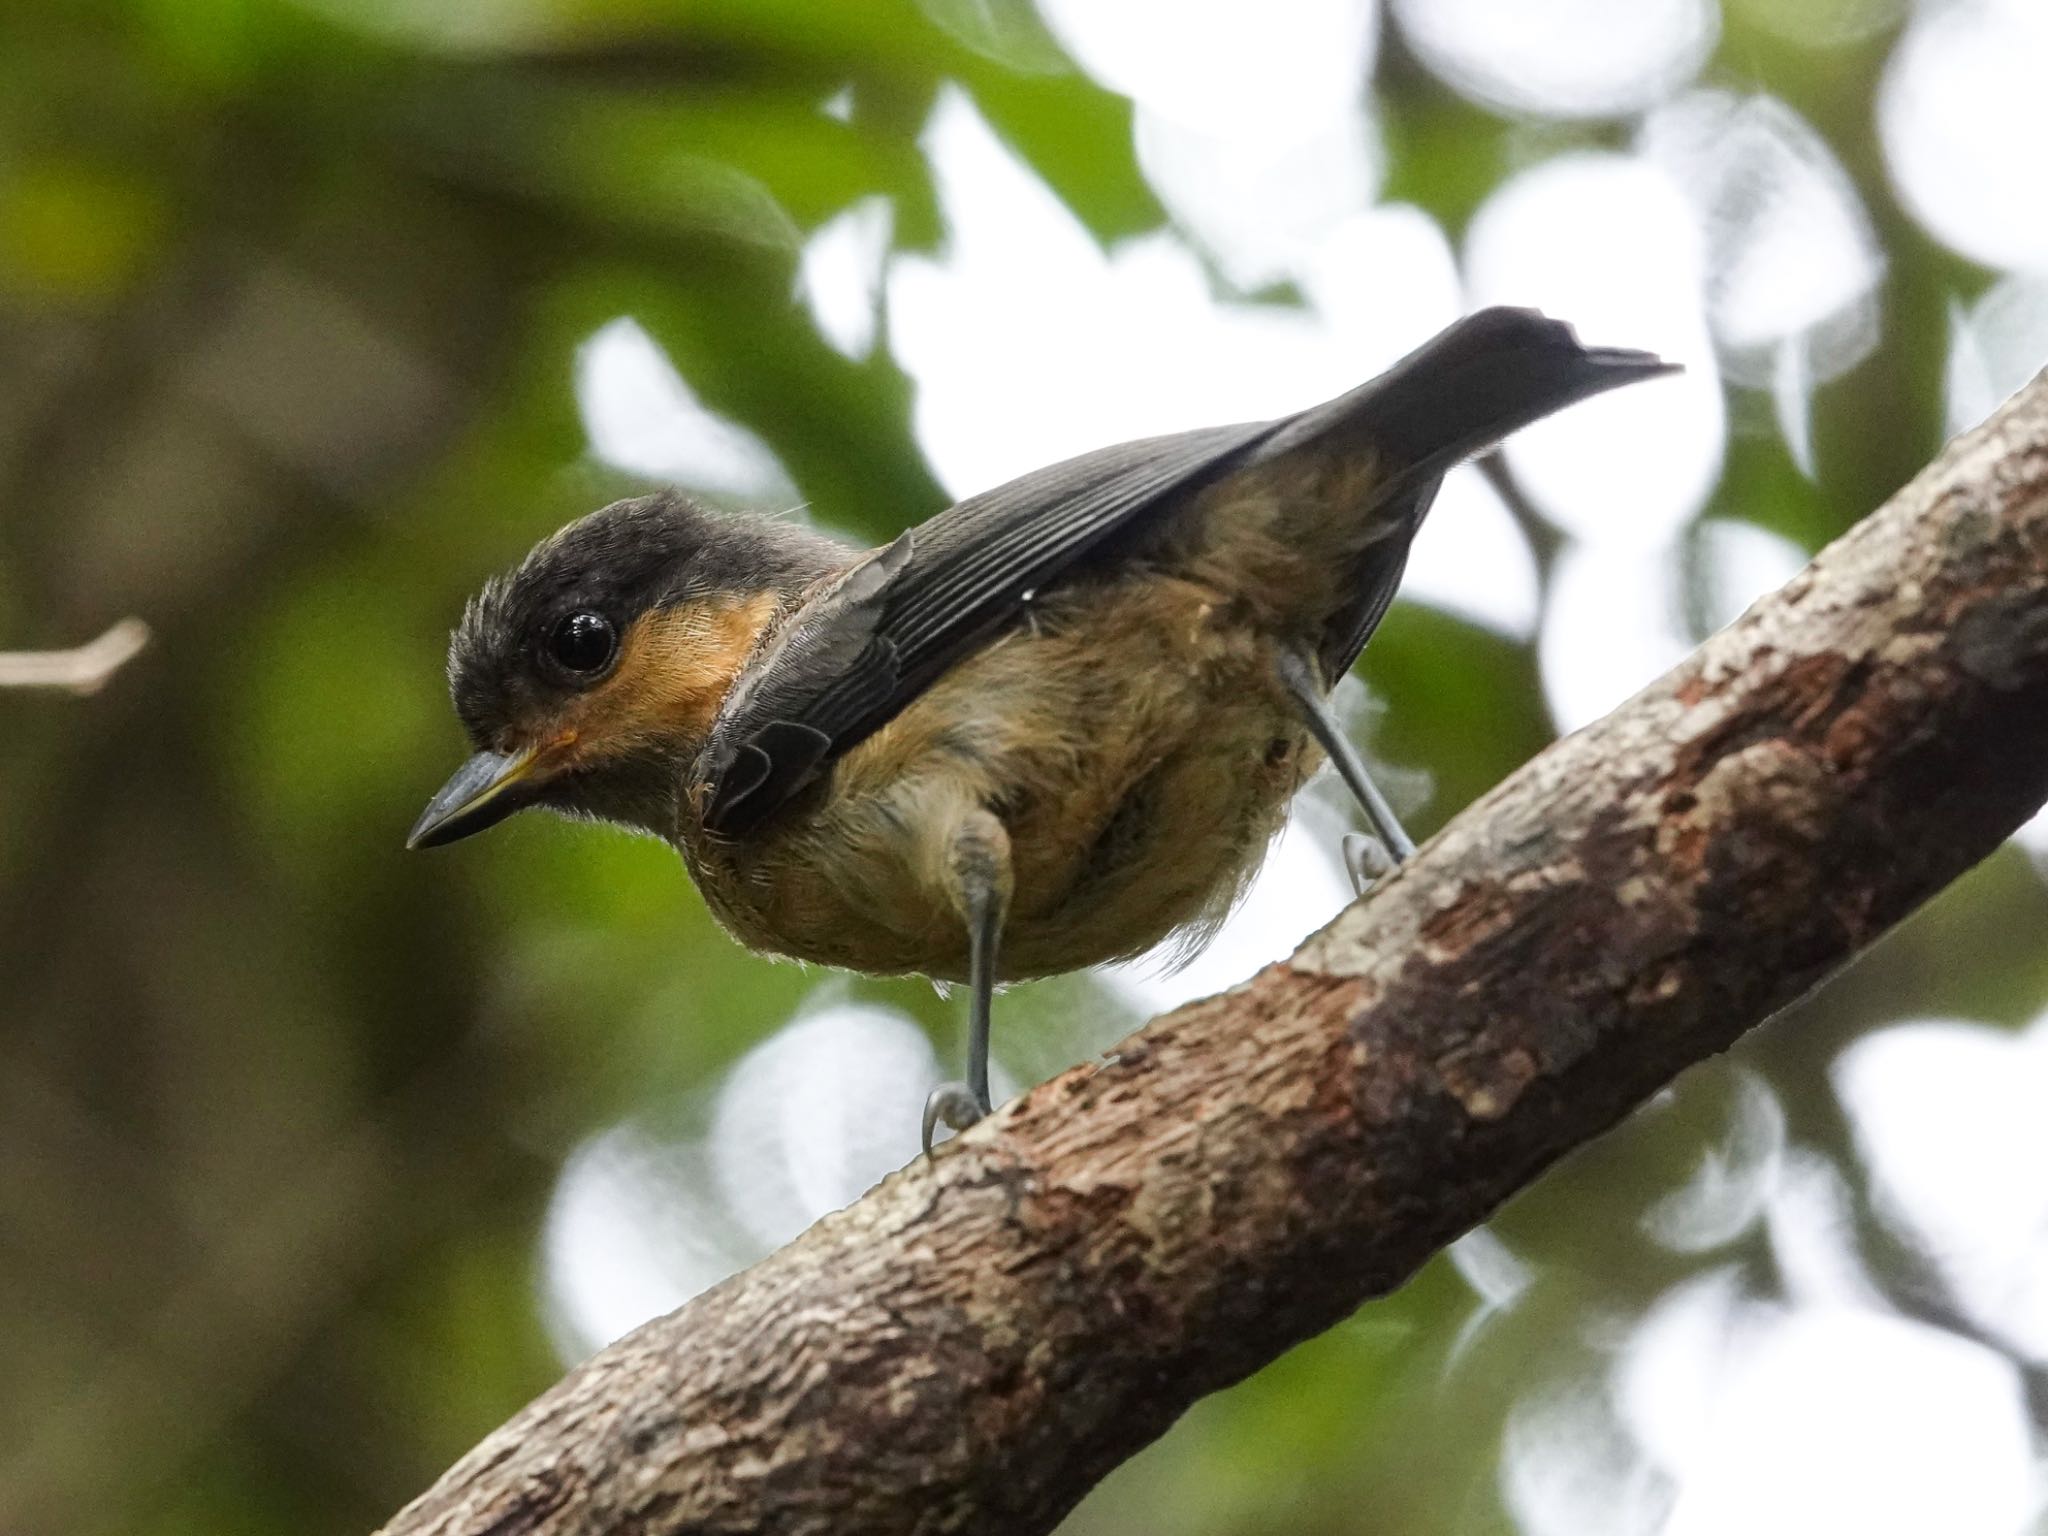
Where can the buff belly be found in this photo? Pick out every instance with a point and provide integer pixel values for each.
(1134, 742)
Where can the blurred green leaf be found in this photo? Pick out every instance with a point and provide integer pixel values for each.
(1462, 704)
(1008, 32)
(75, 231)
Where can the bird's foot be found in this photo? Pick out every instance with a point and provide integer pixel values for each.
(956, 1105)
(1366, 860)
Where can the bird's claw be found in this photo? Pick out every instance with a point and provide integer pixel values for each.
(953, 1103)
(1366, 860)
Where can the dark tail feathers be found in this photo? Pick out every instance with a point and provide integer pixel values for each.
(1463, 391)
(1487, 376)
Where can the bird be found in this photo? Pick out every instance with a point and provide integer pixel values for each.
(1050, 727)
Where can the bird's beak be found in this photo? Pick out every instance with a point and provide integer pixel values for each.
(482, 793)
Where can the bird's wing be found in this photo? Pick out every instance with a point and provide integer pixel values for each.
(860, 650)
(870, 642)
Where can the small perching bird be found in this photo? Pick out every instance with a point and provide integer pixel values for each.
(1045, 729)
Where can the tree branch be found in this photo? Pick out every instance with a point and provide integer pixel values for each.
(980, 1339)
(82, 669)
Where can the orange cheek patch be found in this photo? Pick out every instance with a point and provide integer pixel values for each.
(672, 675)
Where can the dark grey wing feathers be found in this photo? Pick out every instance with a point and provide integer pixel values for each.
(775, 750)
(858, 651)
(1016, 537)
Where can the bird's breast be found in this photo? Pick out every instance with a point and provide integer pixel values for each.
(1132, 737)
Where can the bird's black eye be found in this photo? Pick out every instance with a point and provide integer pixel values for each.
(583, 642)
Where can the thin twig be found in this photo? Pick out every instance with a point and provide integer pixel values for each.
(81, 670)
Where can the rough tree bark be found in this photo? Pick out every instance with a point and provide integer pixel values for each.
(981, 1338)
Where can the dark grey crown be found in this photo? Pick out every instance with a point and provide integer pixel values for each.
(620, 561)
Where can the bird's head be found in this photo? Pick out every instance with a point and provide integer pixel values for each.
(588, 676)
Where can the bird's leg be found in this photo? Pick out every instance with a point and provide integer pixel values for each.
(1390, 844)
(1366, 860)
(977, 875)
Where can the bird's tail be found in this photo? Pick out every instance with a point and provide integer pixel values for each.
(1459, 393)
(1463, 391)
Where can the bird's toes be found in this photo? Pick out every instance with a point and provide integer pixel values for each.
(1366, 860)
(955, 1105)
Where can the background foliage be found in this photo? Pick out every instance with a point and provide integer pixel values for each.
(296, 299)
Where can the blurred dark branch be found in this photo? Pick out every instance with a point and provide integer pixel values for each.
(1542, 535)
(979, 1340)
(82, 669)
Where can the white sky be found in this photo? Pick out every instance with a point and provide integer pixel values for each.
(1563, 58)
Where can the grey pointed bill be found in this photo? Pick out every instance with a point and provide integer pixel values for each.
(481, 793)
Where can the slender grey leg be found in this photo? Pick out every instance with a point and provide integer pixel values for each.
(979, 873)
(1299, 675)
